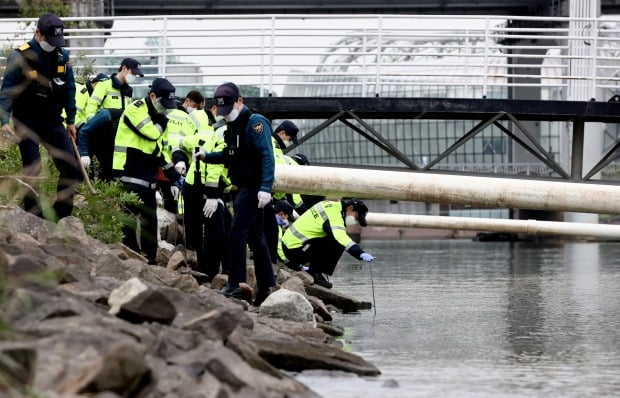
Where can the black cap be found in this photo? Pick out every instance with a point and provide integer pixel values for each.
(99, 78)
(225, 96)
(301, 159)
(290, 129)
(53, 29)
(359, 207)
(132, 65)
(165, 90)
(284, 206)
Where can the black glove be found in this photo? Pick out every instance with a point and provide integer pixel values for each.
(160, 119)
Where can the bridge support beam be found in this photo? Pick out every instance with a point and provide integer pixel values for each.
(440, 188)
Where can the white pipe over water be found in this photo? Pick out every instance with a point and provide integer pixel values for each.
(531, 227)
(439, 188)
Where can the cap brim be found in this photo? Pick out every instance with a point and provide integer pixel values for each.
(137, 72)
(294, 139)
(169, 103)
(56, 41)
(224, 110)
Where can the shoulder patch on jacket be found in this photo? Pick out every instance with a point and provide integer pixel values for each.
(138, 103)
(24, 47)
(258, 128)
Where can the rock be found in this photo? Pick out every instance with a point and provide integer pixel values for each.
(148, 306)
(122, 371)
(125, 293)
(331, 296)
(17, 365)
(216, 324)
(21, 221)
(294, 284)
(288, 305)
(176, 260)
(331, 329)
(319, 308)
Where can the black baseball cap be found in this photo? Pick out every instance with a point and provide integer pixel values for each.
(225, 96)
(132, 65)
(290, 129)
(52, 27)
(165, 90)
(360, 208)
(285, 206)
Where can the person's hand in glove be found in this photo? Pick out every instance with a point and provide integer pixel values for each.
(174, 190)
(200, 155)
(85, 161)
(263, 199)
(209, 208)
(180, 167)
(367, 257)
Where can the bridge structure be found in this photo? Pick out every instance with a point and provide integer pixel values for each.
(508, 74)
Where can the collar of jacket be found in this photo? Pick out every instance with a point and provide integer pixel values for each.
(117, 83)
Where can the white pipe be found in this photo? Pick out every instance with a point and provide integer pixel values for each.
(531, 227)
(440, 188)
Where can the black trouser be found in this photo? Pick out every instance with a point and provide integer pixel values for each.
(54, 137)
(322, 254)
(247, 226)
(271, 231)
(205, 235)
(146, 213)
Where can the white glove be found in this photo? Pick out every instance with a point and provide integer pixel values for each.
(200, 155)
(85, 161)
(174, 190)
(263, 199)
(367, 257)
(209, 208)
(180, 167)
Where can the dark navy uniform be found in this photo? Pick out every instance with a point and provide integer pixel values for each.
(251, 166)
(37, 85)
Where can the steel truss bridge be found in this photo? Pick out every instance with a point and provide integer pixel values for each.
(486, 111)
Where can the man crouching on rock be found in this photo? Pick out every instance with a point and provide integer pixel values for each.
(319, 237)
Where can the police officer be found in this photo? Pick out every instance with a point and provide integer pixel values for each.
(38, 83)
(137, 158)
(287, 132)
(249, 155)
(103, 110)
(319, 237)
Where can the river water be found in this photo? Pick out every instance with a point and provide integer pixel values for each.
(458, 318)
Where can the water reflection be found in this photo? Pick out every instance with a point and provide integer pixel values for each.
(524, 312)
(483, 319)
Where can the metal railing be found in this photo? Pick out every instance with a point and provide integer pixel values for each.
(346, 55)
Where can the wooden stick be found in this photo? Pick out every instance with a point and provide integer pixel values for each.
(81, 166)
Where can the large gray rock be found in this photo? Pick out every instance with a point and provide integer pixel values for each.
(331, 296)
(288, 305)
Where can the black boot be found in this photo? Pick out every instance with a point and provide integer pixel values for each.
(320, 280)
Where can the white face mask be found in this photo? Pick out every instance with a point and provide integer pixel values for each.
(232, 116)
(190, 109)
(158, 106)
(287, 142)
(46, 46)
(350, 220)
(130, 78)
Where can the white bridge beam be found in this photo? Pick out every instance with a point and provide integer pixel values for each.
(438, 188)
(530, 227)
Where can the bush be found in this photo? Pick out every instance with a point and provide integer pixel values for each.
(102, 214)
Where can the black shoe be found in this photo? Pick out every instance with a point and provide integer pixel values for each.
(230, 291)
(320, 280)
(261, 295)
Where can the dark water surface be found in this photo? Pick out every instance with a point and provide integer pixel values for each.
(457, 318)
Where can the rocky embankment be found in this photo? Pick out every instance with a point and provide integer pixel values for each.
(81, 318)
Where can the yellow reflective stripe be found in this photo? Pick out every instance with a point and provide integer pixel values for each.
(319, 207)
(176, 116)
(143, 123)
(120, 149)
(297, 234)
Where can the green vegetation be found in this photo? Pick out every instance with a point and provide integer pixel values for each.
(102, 214)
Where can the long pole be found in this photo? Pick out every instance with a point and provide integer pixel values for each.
(530, 227)
(440, 188)
(81, 166)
